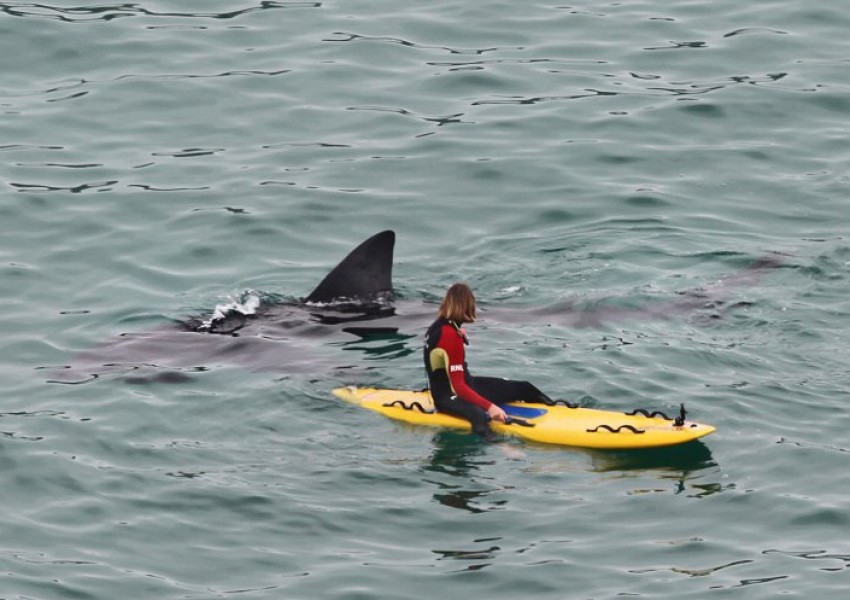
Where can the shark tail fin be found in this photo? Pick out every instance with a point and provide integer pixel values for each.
(364, 275)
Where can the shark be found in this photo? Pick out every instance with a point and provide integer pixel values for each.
(354, 301)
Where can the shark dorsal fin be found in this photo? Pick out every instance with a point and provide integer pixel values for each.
(365, 274)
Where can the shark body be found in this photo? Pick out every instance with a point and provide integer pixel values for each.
(354, 299)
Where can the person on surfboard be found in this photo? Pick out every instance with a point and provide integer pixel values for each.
(453, 389)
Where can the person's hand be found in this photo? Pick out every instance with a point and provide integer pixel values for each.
(496, 413)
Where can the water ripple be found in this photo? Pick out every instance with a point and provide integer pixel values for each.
(440, 121)
(354, 37)
(673, 89)
(754, 30)
(88, 14)
(75, 189)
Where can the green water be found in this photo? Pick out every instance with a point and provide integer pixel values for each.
(163, 158)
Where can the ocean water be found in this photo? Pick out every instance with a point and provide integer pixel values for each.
(163, 158)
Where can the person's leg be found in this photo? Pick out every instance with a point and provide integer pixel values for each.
(477, 416)
(499, 390)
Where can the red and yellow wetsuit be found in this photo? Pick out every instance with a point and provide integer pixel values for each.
(444, 354)
(445, 364)
(457, 392)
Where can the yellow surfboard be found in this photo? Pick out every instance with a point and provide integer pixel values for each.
(558, 424)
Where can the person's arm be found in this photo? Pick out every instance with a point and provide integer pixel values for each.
(452, 343)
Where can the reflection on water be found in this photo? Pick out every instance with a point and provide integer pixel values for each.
(455, 453)
(459, 456)
(681, 469)
(478, 554)
(380, 342)
(689, 457)
(680, 466)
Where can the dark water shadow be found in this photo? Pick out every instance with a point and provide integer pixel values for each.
(459, 455)
(693, 456)
(683, 466)
(380, 342)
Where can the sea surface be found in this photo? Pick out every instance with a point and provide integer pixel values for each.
(159, 159)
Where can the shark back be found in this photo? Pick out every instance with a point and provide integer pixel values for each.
(365, 274)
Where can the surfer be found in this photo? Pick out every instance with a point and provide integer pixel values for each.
(453, 389)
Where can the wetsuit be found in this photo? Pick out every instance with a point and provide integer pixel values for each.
(457, 392)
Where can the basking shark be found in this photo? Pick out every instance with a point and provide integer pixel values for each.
(269, 336)
(355, 301)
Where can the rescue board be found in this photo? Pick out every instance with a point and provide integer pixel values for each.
(549, 424)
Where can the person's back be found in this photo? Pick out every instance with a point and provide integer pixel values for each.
(453, 389)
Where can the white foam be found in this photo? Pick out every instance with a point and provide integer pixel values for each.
(247, 304)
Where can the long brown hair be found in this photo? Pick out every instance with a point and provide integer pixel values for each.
(458, 305)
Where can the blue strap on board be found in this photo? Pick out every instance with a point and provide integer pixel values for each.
(525, 412)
